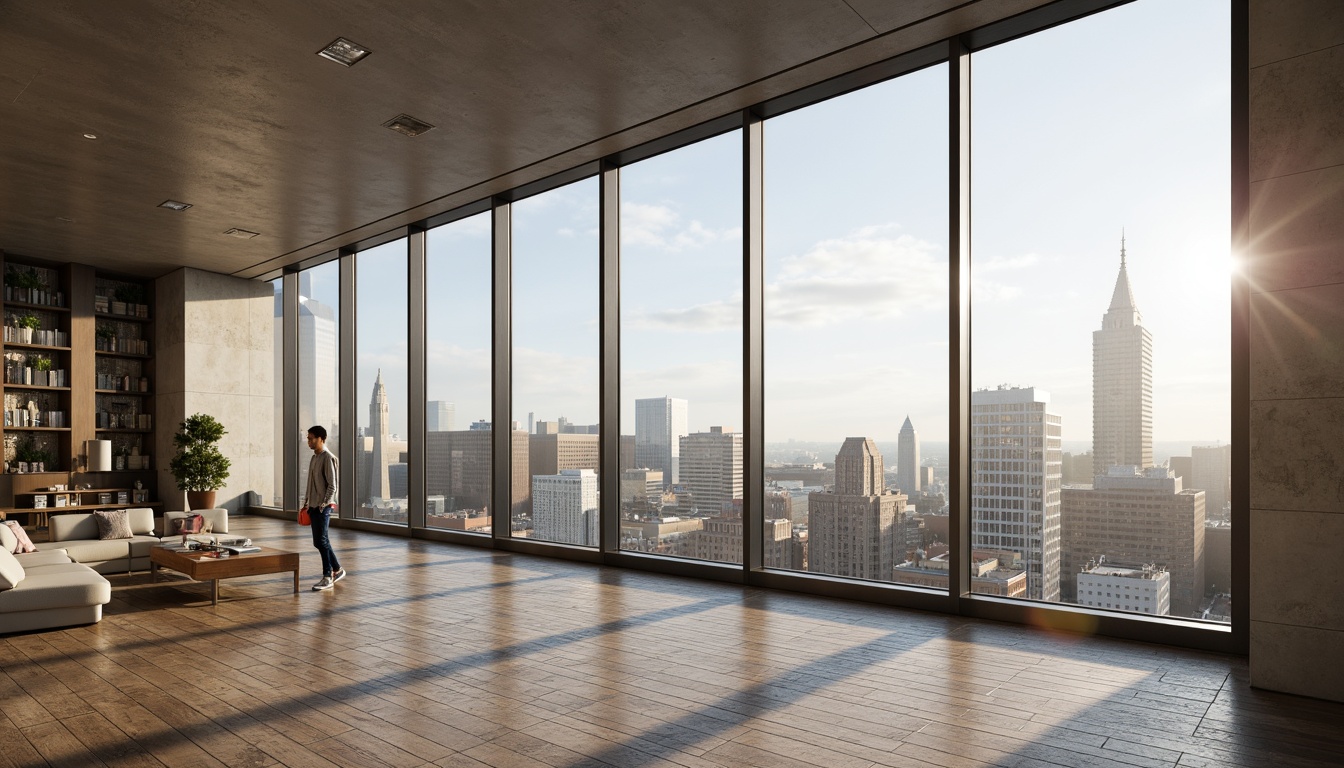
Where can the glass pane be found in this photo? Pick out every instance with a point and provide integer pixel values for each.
(555, 365)
(276, 496)
(681, 352)
(856, 264)
(457, 375)
(319, 360)
(381, 291)
(1101, 338)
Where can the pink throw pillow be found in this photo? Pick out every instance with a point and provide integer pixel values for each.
(25, 544)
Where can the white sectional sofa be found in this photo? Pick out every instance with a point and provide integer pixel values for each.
(41, 590)
(77, 534)
(63, 586)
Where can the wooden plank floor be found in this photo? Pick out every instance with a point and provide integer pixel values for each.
(435, 655)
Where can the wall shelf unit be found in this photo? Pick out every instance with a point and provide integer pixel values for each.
(78, 350)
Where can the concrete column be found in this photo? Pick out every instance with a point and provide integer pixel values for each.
(1297, 346)
(214, 355)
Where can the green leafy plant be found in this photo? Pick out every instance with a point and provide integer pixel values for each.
(23, 278)
(199, 465)
(41, 363)
(28, 450)
(28, 320)
(130, 293)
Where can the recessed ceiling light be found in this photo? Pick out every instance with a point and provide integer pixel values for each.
(174, 205)
(344, 52)
(407, 125)
(240, 233)
(90, 135)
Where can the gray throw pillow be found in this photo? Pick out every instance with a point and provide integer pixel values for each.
(113, 524)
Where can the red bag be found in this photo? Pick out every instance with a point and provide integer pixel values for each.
(303, 517)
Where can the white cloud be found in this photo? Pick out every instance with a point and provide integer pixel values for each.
(873, 272)
(661, 227)
(985, 290)
(712, 316)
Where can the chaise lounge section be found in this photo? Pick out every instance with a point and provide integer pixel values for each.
(42, 590)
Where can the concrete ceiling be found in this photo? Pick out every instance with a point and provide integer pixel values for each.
(226, 106)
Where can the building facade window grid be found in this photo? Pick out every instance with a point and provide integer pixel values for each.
(1003, 449)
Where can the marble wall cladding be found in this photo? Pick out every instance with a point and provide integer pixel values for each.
(170, 410)
(221, 362)
(1296, 607)
(1282, 30)
(1294, 659)
(1296, 122)
(1297, 343)
(1290, 586)
(170, 308)
(1298, 230)
(1297, 454)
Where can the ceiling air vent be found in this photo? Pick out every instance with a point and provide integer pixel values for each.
(174, 205)
(407, 125)
(241, 234)
(344, 52)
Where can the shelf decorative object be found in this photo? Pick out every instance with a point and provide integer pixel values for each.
(25, 285)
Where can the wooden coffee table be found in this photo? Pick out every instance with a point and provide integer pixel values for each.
(196, 566)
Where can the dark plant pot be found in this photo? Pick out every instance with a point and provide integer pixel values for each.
(200, 500)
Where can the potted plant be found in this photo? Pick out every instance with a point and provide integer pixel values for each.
(27, 323)
(42, 371)
(26, 281)
(199, 468)
(27, 451)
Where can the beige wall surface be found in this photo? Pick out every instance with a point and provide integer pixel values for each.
(1297, 345)
(215, 356)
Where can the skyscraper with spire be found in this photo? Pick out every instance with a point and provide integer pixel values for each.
(1122, 382)
(380, 454)
(907, 459)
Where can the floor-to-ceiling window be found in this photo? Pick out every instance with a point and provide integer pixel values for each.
(276, 495)
(381, 482)
(319, 360)
(1100, 304)
(555, 266)
(458, 375)
(681, 352)
(856, 339)
(1099, 295)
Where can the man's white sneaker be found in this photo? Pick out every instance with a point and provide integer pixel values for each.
(337, 576)
(325, 583)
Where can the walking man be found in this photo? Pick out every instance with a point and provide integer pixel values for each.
(320, 499)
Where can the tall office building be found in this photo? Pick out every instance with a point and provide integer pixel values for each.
(564, 507)
(1211, 472)
(1143, 517)
(439, 416)
(855, 530)
(549, 453)
(318, 383)
(380, 453)
(458, 467)
(907, 459)
(1122, 383)
(1016, 472)
(711, 468)
(660, 423)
